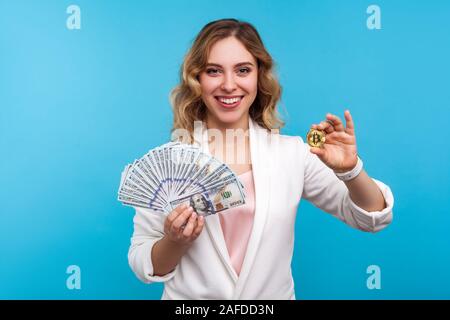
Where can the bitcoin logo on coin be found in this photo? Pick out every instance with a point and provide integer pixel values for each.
(316, 138)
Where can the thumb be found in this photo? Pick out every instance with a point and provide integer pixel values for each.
(317, 151)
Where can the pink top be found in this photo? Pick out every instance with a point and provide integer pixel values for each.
(237, 223)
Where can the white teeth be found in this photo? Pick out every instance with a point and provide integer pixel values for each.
(229, 101)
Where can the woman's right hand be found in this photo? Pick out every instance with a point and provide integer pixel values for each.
(183, 225)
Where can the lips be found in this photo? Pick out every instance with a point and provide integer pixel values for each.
(229, 102)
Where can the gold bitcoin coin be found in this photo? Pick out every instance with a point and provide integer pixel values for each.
(316, 138)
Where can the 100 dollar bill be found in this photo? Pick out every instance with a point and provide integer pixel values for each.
(225, 196)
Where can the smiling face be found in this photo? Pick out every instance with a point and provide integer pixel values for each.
(229, 84)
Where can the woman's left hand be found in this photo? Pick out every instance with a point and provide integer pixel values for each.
(339, 150)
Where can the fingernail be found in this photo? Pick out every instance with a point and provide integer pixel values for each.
(193, 214)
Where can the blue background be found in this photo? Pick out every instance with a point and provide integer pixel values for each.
(77, 105)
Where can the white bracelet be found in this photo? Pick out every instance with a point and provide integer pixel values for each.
(349, 175)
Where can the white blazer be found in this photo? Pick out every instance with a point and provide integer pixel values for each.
(285, 171)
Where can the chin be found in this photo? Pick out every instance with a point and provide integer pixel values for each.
(229, 118)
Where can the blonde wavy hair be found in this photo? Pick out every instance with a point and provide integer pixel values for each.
(185, 98)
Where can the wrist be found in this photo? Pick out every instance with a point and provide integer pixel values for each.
(350, 174)
(175, 246)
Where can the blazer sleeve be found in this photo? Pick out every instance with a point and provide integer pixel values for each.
(325, 191)
(148, 229)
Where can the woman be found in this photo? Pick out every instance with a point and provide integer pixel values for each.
(227, 82)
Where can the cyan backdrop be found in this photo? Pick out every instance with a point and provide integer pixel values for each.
(77, 105)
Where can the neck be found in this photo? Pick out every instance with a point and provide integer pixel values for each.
(229, 142)
(242, 123)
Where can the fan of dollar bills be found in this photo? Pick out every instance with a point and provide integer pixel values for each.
(177, 173)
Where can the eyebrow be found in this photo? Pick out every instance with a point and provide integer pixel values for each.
(237, 65)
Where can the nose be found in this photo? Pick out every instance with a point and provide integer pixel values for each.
(228, 84)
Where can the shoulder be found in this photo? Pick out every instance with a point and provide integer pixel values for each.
(290, 143)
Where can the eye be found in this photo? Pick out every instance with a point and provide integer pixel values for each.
(212, 71)
(244, 70)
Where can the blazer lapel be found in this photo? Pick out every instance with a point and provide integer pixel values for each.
(260, 139)
(261, 158)
(212, 224)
